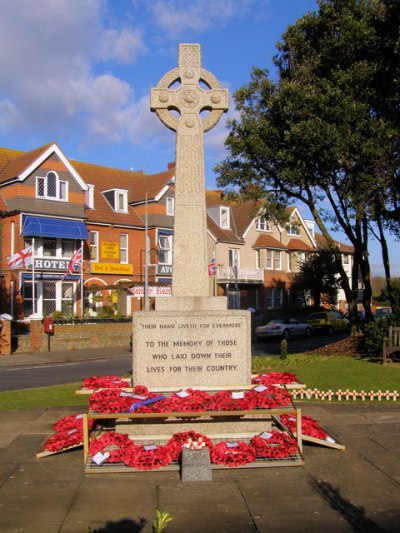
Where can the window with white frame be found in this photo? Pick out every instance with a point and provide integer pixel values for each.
(300, 259)
(345, 258)
(258, 260)
(233, 257)
(170, 206)
(224, 217)
(89, 196)
(53, 247)
(263, 225)
(123, 248)
(94, 245)
(269, 259)
(274, 298)
(67, 248)
(274, 259)
(289, 261)
(293, 229)
(165, 249)
(51, 187)
(277, 260)
(121, 201)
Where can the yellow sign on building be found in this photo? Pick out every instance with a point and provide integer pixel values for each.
(111, 268)
(109, 250)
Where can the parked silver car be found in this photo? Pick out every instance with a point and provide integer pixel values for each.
(283, 327)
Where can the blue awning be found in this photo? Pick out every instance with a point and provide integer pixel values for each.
(53, 227)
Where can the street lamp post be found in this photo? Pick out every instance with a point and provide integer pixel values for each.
(146, 258)
(147, 247)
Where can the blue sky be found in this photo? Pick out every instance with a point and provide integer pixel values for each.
(79, 72)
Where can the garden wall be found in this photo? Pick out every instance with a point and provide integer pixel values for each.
(73, 337)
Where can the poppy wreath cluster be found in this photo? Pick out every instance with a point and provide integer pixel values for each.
(309, 426)
(117, 401)
(232, 456)
(180, 440)
(278, 446)
(68, 432)
(270, 398)
(195, 401)
(224, 401)
(104, 382)
(122, 449)
(116, 444)
(147, 458)
(275, 378)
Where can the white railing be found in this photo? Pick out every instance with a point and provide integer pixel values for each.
(244, 275)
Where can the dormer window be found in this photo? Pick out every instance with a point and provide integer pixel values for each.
(263, 224)
(118, 199)
(51, 187)
(224, 217)
(293, 229)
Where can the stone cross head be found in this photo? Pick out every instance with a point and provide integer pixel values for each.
(190, 98)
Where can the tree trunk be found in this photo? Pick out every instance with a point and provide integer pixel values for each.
(386, 264)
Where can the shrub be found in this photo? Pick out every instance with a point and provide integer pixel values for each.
(376, 331)
(283, 349)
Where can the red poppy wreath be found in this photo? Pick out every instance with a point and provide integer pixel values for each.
(232, 454)
(274, 445)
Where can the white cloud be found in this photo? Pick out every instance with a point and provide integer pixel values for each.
(48, 81)
(124, 45)
(177, 16)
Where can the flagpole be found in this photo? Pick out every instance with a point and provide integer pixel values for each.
(33, 276)
(82, 280)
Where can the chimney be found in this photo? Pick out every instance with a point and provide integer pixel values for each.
(171, 166)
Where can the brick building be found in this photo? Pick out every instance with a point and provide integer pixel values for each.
(60, 205)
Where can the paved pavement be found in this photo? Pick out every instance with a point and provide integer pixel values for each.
(336, 491)
(61, 356)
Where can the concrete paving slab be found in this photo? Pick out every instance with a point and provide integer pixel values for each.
(22, 448)
(26, 415)
(44, 504)
(33, 529)
(187, 503)
(113, 497)
(7, 470)
(306, 522)
(358, 481)
(388, 521)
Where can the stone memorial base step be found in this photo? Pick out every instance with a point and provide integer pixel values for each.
(207, 426)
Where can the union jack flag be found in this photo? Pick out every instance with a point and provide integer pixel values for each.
(75, 263)
(21, 259)
(212, 268)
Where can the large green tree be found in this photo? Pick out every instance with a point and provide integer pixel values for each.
(316, 278)
(326, 132)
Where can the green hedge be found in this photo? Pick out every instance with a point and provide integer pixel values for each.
(375, 332)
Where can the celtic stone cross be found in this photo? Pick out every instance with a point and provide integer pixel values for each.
(180, 90)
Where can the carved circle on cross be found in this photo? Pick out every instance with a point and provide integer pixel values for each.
(188, 98)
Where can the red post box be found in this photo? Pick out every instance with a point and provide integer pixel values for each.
(48, 325)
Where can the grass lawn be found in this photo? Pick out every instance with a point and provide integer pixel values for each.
(42, 397)
(333, 372)
(315, 371)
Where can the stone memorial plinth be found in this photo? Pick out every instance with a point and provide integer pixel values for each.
(192, 349)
